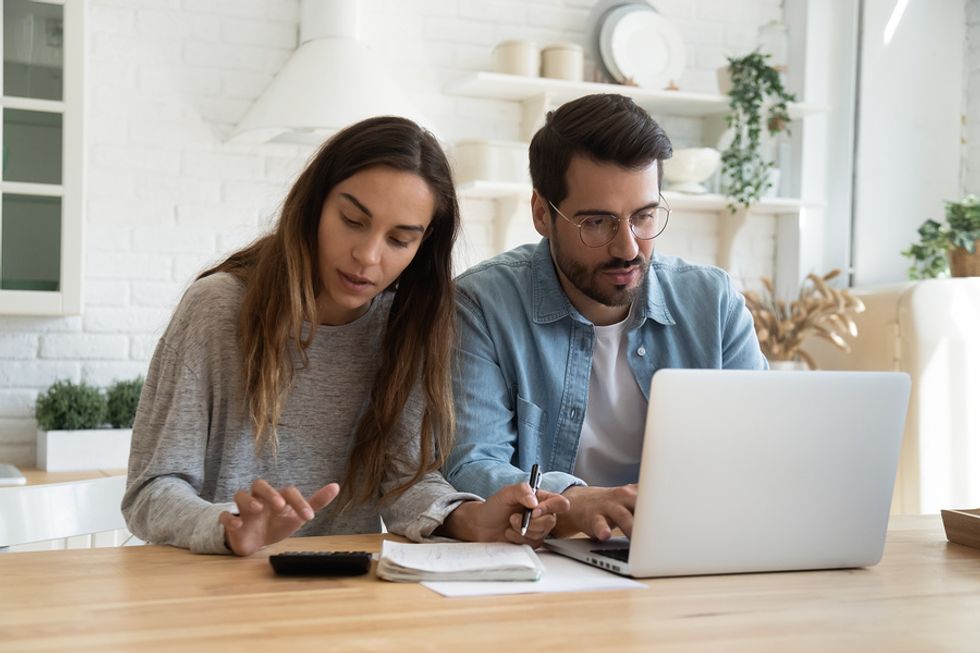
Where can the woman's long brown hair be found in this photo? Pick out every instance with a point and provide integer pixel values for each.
(282, 281)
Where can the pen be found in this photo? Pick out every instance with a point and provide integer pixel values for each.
(535, 483)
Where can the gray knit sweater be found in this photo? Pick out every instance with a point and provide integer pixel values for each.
(193, 448)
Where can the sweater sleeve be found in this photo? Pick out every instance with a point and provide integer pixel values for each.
(424, 506)
(162, 503)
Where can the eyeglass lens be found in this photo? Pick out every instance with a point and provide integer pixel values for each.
(598, 230)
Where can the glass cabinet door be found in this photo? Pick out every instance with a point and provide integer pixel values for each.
(40, 207)
(33, 49)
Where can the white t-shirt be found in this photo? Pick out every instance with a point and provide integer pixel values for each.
(612, 432)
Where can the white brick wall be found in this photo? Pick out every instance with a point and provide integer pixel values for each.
(168, 79)
(971, 101)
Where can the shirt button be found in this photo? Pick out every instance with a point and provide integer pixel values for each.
(642, 351)
(572, 413)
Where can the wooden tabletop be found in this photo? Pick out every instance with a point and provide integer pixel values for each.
(923, 596)
(41, 477)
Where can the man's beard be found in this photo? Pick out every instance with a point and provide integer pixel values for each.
(587, 281)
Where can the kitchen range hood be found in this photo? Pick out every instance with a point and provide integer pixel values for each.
(329, 82)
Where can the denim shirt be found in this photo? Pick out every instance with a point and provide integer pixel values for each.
(524, 359)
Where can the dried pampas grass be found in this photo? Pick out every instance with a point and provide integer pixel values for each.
(821, 311)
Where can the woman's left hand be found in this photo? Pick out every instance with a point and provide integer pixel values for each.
(498, 519)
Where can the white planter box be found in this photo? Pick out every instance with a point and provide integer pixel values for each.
(70, 451)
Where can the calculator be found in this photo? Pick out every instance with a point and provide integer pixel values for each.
(321, 563)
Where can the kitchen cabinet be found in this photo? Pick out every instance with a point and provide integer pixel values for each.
(41, 139)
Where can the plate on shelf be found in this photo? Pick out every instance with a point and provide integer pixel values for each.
(637, 43)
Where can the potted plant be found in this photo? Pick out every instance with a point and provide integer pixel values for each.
(953, 249)
(756, 91)
(122, 399)
(72, 431)
(820, 311)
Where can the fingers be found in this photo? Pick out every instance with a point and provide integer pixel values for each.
(540, 527)
(295, 500)
(514, 536)
(286, 498)
(248, 506)
(599, 528)
(626, 496)
(229, 521)
(622, 517)
(322, 497)
(264, 492)
(551, 503)
(233, 525)
(518, 495)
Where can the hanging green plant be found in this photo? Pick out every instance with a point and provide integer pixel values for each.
(756, 89)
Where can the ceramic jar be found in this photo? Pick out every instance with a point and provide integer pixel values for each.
(517, 58)
(563, 61)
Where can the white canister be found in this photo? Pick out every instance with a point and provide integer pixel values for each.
(563, 61)
(517, 58)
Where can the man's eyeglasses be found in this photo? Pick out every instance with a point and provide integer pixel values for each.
(599, 229)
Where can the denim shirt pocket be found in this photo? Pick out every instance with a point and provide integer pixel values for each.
(531, 421)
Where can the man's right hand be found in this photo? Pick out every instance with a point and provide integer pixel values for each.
(595, 511)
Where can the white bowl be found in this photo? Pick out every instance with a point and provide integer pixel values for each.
(689, 167)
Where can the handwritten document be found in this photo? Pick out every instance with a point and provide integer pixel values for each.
(458, 561)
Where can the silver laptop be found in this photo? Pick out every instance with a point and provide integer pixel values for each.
(746, 471)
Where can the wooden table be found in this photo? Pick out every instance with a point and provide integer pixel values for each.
(41, 477)
(924, 596)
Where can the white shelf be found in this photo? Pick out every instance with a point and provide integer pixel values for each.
(516, 88)
(28, 188)
(508, 193)
(537, 95)
(32, 104)
(492, 190)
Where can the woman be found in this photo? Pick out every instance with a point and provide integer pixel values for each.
(320, 353)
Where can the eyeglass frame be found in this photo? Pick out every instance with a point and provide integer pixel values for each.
(619, 219)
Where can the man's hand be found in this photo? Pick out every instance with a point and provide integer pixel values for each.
(498, 519)
(266, 515)
(595, 511)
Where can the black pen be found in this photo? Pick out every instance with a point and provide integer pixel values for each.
(535, 483)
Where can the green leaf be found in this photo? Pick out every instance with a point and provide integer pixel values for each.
(757, 100)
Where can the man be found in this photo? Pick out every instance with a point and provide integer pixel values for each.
(559, 340)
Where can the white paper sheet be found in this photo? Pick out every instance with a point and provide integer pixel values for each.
(561, 575)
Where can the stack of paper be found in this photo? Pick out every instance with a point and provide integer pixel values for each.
(458, 561)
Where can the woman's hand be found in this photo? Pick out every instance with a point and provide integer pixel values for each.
(498, 519)
(267, 515)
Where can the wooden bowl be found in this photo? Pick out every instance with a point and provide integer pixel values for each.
(962, 526)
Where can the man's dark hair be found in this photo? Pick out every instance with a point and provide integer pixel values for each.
(607, 128)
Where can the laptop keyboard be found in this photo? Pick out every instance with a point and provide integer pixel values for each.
(621, 554)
